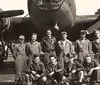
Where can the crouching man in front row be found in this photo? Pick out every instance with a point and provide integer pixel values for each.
(54, 71)
(35, 72)
(92, 70)
(73, 71)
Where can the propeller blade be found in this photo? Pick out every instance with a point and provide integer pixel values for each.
(96, 25)
(11, 13)
(93, 27)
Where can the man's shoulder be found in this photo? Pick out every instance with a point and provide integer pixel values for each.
(16, 45)
(49, 64)
(28, 43)
(59, 41)
(69, 41)
(78, 40)
(37, 42)
(41, 63)
(87, 40)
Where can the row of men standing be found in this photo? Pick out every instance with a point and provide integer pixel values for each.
(23, 52)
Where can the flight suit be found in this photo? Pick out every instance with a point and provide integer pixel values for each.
(83, 48)
(57, 74)
(33, 48)
(69, 67)
(39, 68)
(48, 47)
(96, 50)
(95, 76)
(63, 50)
(20, 57)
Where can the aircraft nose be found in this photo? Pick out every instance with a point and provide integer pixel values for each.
(48, 4)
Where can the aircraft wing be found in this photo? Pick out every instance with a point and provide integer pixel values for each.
(93, 20)
(86, 18)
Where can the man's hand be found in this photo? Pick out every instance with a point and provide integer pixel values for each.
(89, 73)
(73, 71)
(59, 70)
(51, 73)
(37, 76)
(64, 77)
(33, 72)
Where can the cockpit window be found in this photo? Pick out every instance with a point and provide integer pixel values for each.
(40, 2)
(48, 4)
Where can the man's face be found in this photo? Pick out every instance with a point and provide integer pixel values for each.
(97, 34)
(83, 35)
(71, 60)
(53, 60)
(34, 37)
(48, 33)
(88, 59)
(37, 60)
(64, 36)
(21, 41)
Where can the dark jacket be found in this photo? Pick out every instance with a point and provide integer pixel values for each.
(48, 44)
(68, 67)
(53, 68)
(88, 66)
(38, 68)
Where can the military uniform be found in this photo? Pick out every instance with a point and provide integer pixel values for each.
(57, 74)
(95, 77)
(20, 59)
(48, 47)
(96, 50)
(83, 48)
(69, 67)
(63, 49)
(33, 48)
(39, 69)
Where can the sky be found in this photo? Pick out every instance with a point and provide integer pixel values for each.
(84, 7)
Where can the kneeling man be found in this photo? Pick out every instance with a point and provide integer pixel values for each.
(54, 71)
(92, 69)
(36, 71)
(73, 70)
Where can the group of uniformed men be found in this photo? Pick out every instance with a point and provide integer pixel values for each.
(51, 62)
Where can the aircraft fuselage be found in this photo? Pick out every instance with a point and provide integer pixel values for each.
(45, 14)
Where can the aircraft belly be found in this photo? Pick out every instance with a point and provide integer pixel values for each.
(44, 19)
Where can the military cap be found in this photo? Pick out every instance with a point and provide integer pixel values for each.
(21, 37)
(70, 55)
(64, 32)
(52, 55)
(83, 32)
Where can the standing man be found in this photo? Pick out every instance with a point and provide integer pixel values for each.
(20, 57)
(48, 44)
(96, 45)
(83, 46)
(64, 47)
(33, 47)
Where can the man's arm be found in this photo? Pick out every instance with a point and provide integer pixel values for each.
(80, 67)
(43, 70)
(14, 52)
(27, 49)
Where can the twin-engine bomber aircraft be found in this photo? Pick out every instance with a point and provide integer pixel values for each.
(48, 14)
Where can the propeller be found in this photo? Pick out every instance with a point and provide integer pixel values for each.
(4, 14)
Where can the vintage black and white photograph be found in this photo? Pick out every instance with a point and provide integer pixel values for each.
(49, 42)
